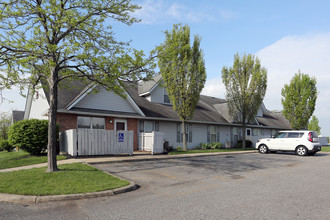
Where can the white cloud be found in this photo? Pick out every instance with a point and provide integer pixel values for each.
(311, 55)
(160, 12)
(214, 87)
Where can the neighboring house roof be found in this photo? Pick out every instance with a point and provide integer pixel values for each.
(145, 87)
(208, 110)
(17, 116)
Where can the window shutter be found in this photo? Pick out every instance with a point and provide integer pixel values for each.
(218, 134)
(178, 133)
(190, 132)
(208, 134)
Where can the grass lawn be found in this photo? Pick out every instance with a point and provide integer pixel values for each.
(71, 179)
(208, 151)
(325, 149)
(21, 158)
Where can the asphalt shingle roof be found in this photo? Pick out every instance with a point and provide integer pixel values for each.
(209, 109)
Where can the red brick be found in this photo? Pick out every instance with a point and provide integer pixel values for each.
(67, 121)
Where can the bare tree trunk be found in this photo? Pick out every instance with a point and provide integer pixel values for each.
(244, 135)
(184, 136)
(52, 136)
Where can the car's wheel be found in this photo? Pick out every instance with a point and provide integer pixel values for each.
(301, 151)
(263, 149)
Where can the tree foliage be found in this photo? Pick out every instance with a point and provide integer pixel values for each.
(313, 125)
(5, 122)
(299, 99)
(53, 40)
(30, 135)
(246, 84)
(183, 70)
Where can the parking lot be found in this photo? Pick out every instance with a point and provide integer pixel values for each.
(238, 186)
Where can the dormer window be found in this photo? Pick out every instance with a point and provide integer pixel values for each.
(166, 98)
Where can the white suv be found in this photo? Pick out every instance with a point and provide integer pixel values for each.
(301, 142)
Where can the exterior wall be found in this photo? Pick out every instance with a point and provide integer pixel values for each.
(225, 135)
(199, 134)
(39, 105)
(132, 124)
(157, 95)
(67, 121)
(105, 100)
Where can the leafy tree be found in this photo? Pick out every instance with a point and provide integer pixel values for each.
(313, 125)
(183, 70)
(5, 122)
(299, 99)
(246, 84)
(53, 40)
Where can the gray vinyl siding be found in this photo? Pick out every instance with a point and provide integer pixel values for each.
(199, 134)
(105, 100)
(157, 95)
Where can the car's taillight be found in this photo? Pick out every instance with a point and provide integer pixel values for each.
(310, 137)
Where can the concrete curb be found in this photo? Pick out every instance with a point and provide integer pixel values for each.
(22, 199)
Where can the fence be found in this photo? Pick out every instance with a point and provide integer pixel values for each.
(153, 141)
(96, 142)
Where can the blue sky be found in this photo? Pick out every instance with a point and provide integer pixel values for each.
(287, 36)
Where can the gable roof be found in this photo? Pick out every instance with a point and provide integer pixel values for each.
(146, 87)
(208, 110)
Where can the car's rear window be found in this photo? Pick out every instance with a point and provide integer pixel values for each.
(314, 133)
(294, 135)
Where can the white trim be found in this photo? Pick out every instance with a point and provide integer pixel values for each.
(80, 98)
(133, 104)
(150, 91)
(120, 120)
(28, 104)
(129, 100)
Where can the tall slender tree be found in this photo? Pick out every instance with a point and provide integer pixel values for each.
(313, 125)
(183, 70)
(246, 84)
(53, 40)
(299, 100)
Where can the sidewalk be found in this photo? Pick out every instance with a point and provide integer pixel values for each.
(119, 159)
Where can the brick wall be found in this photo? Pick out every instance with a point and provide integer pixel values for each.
(132, 124)
(67, 121)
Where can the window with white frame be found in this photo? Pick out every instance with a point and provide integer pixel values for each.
(213, 134)
(255, 132)
(179, 137)
(149, 126)
(90, 122)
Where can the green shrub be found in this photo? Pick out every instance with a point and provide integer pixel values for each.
(29, 135)
(178, 148)
(4, 145)
(203, 146)
(216, 145)
(248, 143)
